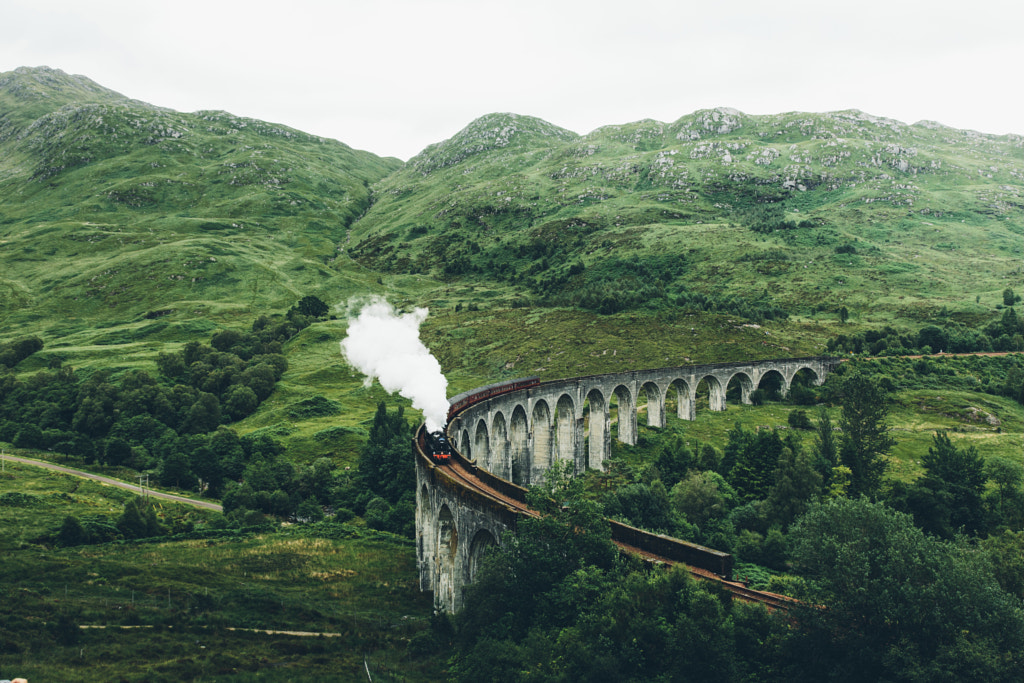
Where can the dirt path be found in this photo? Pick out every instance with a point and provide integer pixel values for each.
(110, 481)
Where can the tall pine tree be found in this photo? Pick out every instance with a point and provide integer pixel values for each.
(865, 440)
(385, 462)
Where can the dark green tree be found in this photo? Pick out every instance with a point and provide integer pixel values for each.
(175, 470)
(1005, 502)
(753, 473)
(117, 452)
(899, 605)
(72, 532)
(864, 441)
(312, 306)
(962, 471)
(241, 401)
(703, 497)
(826, 451)
(203, 415)
(797, 484)
(139, 520)
(1006, 551)
(385, 461)
(674, 460)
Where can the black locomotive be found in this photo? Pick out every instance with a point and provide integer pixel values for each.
(437, 446)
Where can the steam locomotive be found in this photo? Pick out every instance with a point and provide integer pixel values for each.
(437, 446)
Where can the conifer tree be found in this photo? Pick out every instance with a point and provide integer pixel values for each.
(865, 440)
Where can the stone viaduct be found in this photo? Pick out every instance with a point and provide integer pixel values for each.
(512, 439)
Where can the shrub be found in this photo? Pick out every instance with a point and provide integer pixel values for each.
(798, 420)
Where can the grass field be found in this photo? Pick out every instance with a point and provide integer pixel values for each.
(177, 608)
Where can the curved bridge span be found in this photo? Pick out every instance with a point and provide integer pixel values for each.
(515, 431)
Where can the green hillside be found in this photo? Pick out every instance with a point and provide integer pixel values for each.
(111, 208)
(800, 212)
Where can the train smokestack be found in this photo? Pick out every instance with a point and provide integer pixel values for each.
(383, 344)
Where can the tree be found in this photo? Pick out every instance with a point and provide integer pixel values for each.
(203, 415)
(962, 471)
(898, 605)
(309, 511)
(844, 314)
(175, 470)
(385, 461)
(1005, 502)
(117, 452)
(71, 532)
(312, 306)
(798, 419)
(674, 460)
(227, 448)
(241, 401)
(1007, 553)
(864, 441)
(933, 337)
(703, 496)
(753, 473)
(139, 520)
(947, 499)
(643, 505)
(825, 449)
(13, 353)
(797, 484)
(1009, 298)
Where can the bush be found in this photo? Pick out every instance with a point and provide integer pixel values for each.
(798, 420)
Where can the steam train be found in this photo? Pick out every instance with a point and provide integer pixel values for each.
(437, 447)
(436, 444)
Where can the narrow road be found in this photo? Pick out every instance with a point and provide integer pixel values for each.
(110, 481)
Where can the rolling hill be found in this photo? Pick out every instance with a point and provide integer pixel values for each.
(801, 212)
(111, 208)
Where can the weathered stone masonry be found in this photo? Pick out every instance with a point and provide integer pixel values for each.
(518, 436)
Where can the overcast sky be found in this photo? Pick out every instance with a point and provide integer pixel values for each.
(392, 76)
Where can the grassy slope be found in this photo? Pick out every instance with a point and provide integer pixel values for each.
(113, 208)
(339, 579)
(935, 213)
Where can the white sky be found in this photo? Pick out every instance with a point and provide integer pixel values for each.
(392, 76)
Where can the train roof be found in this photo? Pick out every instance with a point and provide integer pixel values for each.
(455, 399)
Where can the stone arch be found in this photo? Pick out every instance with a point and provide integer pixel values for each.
(808, 374)
(771, 380)
(716, 392)
(541, 432)
(565, 430)
(481, 445)
(655, 405)
(465, 446)
(519, 446)
(686, 408)
(499, 447)
(482, 540)
(746, 386)
(596, 429)
(445, 550)
(801, 381)
(625, 414)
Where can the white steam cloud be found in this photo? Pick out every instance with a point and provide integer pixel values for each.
(385, 345)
